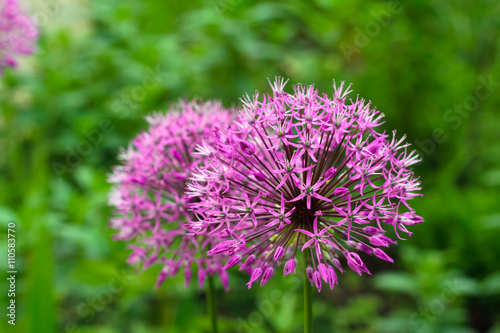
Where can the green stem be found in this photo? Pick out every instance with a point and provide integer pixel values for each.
(212, 312)
(308, 315)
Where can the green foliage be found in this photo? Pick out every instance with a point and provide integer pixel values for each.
(102, 65)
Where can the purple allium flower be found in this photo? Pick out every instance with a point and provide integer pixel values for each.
(149, 196)
(305, 172)
(17, 33)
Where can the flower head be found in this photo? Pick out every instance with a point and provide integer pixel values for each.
(305, 172)
(149, 196)
(17, 33)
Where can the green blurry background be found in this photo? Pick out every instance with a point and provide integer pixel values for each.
(433, 68)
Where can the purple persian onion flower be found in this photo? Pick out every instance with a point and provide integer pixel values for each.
(149, 191)
(305, 172)
(17, 33)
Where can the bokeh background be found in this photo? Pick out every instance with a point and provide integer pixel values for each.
(432, 66)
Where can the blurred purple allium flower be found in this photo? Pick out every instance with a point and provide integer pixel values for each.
(17, 33)
(304, 172)
(149, 196)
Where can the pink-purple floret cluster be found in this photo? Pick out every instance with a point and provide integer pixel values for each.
(304, 172)
(297, 173)
(18, 33)
(148, 193)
